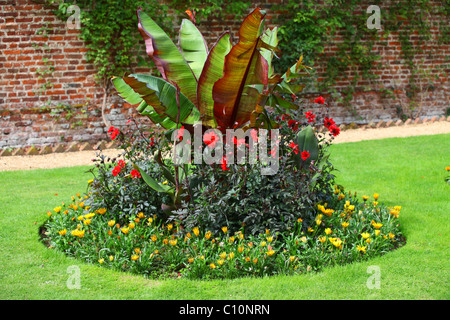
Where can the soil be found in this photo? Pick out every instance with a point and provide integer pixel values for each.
(82, 158)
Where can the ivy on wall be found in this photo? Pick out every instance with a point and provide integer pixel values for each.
(309, 26)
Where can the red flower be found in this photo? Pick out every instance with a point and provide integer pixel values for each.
(334, 130)
(135, 174)
(224, 164)
(116, 171)
(310, 116)
(305, 155)
(273, 152)
(180, 133)
(285, 116)
(238, 141)
(293, 124)
(152, 142)
(294, 97)
(211, 139)
(328, 122)
(294, 147)
(320, 100)
(121, 164)
(113, 132)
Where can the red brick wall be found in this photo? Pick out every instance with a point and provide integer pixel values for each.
(29, 117)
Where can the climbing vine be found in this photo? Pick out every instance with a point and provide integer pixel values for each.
(310, 26)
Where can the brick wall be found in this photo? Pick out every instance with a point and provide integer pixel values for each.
(64, 105)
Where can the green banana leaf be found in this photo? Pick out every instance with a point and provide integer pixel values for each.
(193, 46)
(166, 56)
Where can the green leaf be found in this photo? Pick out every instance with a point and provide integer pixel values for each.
(152, 183)
(168, 59)
(193, 46)
(307, 141)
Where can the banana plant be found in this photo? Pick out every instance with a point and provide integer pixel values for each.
(226, 87)
(222, 87)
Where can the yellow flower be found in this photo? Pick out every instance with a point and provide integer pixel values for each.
(137, 220)
(191, 260)
(365, 198)
(299, 220)
(263, 244)
(109, 232)
(165, 241)
(394, 212)
(131, 225)
(240, 249)
(202, 257)
(150, 220)
(376, 196)
(375, 203)
(310, 229)
(75, 207)
(220, 262)
(134, 257)
(78, 233)
(125, 230)
(328, 231)
(447, 168)
(267, 231)
(231, 240)
(341, 196)
(80, 217)
(165, 182)
(270, 253)
(369, 240)
(269, 239)
(231, 255)
(141, 215)
(212, 266)
(344, 224)
(361, 249)
(195, 231)
(303, 239)
(101, 211)
(391, 235)
(89, 215)
(87, 221)
(377, 232)
(111, 223)
(365, 235)
(318, 222)
(57, 209)
(337, 243)
(154, 238)
(169, 226)
(66, 211)
(101, 260)
(137, 250)
(111, 258)
(377, 225)
(208, 235)
(322, 239)
(255, 261)
(173, 242)
(247, 259)
(291, 258)
(250, 244)
(81, 204)
(328, 212)
(224, 229)
(62, 232)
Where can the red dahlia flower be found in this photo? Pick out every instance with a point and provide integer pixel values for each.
(305, 155)
(135, 174)
(328, 122)
(320, 100)
(334, 130)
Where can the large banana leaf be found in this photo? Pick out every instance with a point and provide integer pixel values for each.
(168, 59)
(193, 46)
(159, 97)
(212, 71)
(234, 95)
(307, 141)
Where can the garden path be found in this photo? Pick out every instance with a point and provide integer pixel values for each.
(57, 160)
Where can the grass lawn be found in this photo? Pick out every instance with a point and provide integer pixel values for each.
(404, 171)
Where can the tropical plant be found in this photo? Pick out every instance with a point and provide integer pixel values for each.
(227, 87)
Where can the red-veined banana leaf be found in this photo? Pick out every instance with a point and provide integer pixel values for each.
(167, 57)
(193, 46)
(234, 97)
(212, 71)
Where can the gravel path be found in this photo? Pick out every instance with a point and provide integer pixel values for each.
(80, 158)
